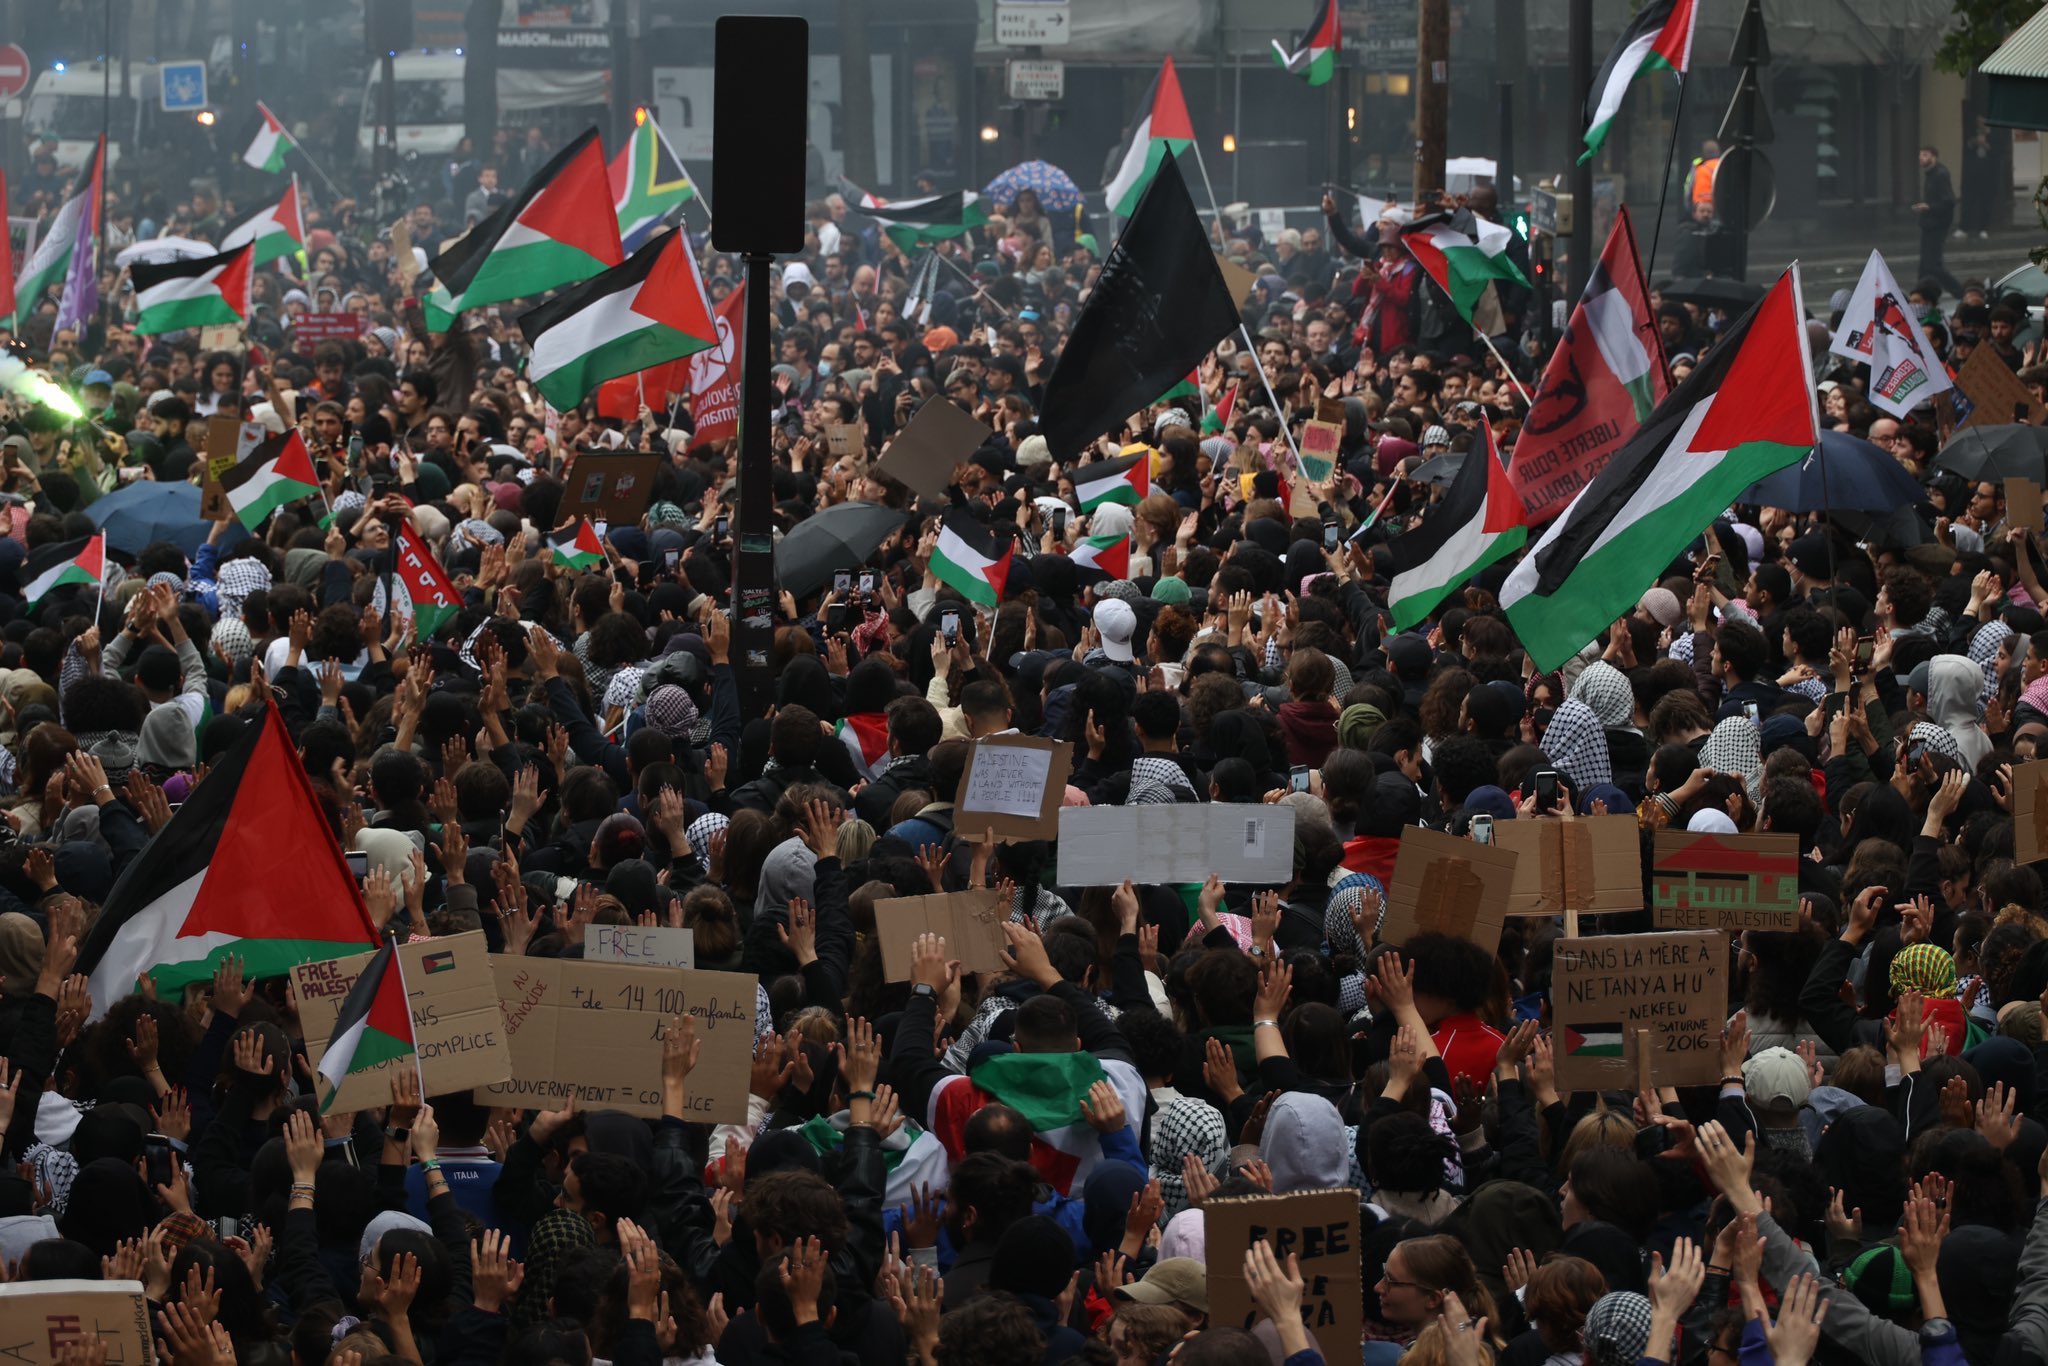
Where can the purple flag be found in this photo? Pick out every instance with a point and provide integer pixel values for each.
(81, 301)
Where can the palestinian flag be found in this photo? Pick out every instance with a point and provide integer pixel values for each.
(1479, 521)
(373, 1026)
(1217, 419)
(1110, 554)
(205, 291)
(1314, 55)
(79, 304)
(1189, 387)
(914, 223)
(248, 867)
(266, 152)
(276, 231)
(649, 184)
(911, 1157)
(1162, 130)
(434, 596)
(1602, 1040)
(866, 737)
(864, 200)
(924, 285)
(277, 472)
(970, 559)
(1465, 268)
(633, 317)
(1125, 481)
(53, 566)
(50, 262)
(559, 228)
(1047, 1089)
(1659, 38)
(1745, 412)
(577, 546)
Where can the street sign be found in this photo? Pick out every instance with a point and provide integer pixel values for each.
(1033, 25)
(1037, 80)
(1551, 212)
(184, 87)
(14, 71)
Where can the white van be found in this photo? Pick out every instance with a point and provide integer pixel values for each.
(65, 104)
(430, 99)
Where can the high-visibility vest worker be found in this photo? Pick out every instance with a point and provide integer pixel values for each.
(1702, 188)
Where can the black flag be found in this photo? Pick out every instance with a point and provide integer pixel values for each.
(1158, 308)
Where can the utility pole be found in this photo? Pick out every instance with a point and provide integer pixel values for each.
(622, 77)
(856, 93)
(1511, 66)
(480, 81)
(1581, 43)
(1432, 95)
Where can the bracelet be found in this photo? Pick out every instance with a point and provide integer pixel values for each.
(304, 1188)
(1735, 1080)
(1265, 1024)
(431, 1164)
(860, 1095)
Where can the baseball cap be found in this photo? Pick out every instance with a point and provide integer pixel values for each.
(93, 377)
(1916, 681)
(1777, 1077)
(1117, 623)
(1173, 1280)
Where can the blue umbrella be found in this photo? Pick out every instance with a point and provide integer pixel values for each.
(144, 512)
(1055, 188)
(1861, 477)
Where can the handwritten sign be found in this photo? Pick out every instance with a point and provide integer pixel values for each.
(1318, 1227)
(1993, 394)
(1446, 885)
(1319, 445)
(593, 1030)
(844, 439)
(1013, 786)
(454, 1017)
(39, 1319)
(1614, 995)
(1592, 864)
(1100, 846)
(609, 488)
(1725, 882)
(659, 946)
(971, 921)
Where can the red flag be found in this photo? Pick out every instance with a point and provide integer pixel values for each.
(715, 375)
(1601, 383)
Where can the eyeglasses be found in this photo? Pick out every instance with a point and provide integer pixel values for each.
(1392, 1283)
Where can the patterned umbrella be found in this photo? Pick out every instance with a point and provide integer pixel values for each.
(1054, 187)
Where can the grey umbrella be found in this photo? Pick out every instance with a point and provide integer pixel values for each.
(840, 537)
(1995, 453)
(1439, 469)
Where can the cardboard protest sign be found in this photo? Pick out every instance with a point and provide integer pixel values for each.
(845, 438)
(971, 921)
(1725, 882)
(608, 488)
(401, 249)
(1994, 393)
(922, 456)
(1013, 785)
(1613, 996)
(1330, 410)
(1591, 864)
(1320, 1228)
(1100, 846)
(1239, 281)
(2030, 812)
(1446, 885)
(455, 1020)
(594, 1030)
(220, 337)
(1319, 443)
(658, 946)
(2023, 503)
(39, 1319)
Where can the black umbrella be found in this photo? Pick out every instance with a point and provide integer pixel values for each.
(1713, 292)
(1439, 469)
(838, 538)
(1995, 453)
(1842, 473)
(1898, 528)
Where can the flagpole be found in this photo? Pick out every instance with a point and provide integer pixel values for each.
(1505, 368)
(99, 587)
(1664, 190)
(1273, 399)
(300, 148)
(1215, 211)
(979, 292)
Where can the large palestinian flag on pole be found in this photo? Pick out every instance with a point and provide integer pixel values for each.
(1659, 38)
(1162, 130)
(560, 228)
(1747, 411)
(276, 230)
(970, 560)
(635, 316)
(247, 867)
(277, 472)
(267, 149)
(204, 291)
(1314, 55)
(53, 566)
(373, 1026)
(914, 223)
(1465, 267)
(649, 184)
(1479, 521)
(50, 262)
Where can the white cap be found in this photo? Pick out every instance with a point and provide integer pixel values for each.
(1117, 623)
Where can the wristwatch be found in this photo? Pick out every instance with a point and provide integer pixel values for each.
(397, 1133)
(923, 989)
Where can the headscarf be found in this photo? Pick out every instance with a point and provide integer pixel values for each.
(1733, 748)
(1925, 735)
(1617, 1329)
(1925, 968)
(1954, 687)
(1606, 690)
(237, 580)
(1576, 743)
(671, 711)
(1984, 654)
(1358, 723)
(1186, 1235)
(1182, 1126)
(1345, 898)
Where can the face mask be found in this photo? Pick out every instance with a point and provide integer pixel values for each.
(824, 368)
